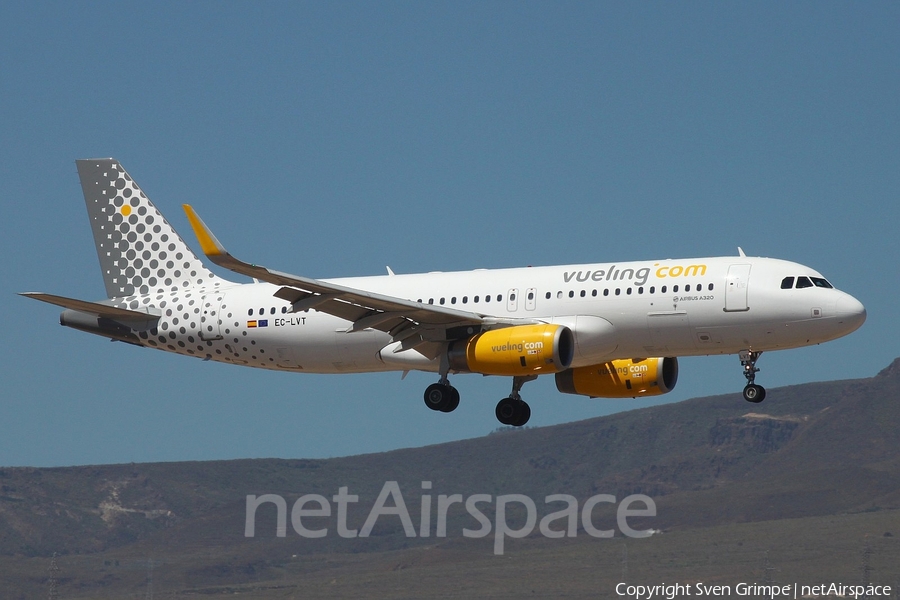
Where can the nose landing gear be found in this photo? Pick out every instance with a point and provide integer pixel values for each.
(752, 392)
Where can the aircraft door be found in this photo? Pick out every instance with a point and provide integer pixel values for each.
(670, 332)
(530, 298)
(512, 300)
(736, 283)
(211, 317)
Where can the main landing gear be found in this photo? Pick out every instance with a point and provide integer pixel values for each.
(752, 392)
(513, 410)
(443, 397)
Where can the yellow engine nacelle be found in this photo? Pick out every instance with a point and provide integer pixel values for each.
(519, 350)
(621, 378)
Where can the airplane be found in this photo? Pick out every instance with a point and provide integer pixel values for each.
(604, 330)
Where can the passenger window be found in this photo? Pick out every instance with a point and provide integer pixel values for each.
(548, 295)
(803, 282)
(663, 289)
(476, 299)
(465, 299)
(606, 292)
(628, 291)
(530, 296)
(687, 288)
(571, 294)
(640, 290)
(787, 283)
(453, 300)
(819, 282)
(582, 293)
(442, 300)
(500, 298)
(272, 311)
(674, 289)
(487, 298)
(559, 294)
(431, 301)
(652, 289)
(594, 293)
(618, 291)
(711, 287)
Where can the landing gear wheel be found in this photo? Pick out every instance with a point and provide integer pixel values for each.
(754, 393)
(453, 401)
(523, 413)
(512, 411)
(442, 397)
(506, 410)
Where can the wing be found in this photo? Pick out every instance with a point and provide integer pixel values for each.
(403, 319)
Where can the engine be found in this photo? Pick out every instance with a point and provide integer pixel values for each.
(519, 350)
(621, 378)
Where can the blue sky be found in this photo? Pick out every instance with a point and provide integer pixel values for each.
(333, 139)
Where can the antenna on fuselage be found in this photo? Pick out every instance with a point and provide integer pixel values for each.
(741, 252)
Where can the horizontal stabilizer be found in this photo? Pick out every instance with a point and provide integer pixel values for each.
(123, 315)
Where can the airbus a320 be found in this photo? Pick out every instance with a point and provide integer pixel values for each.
(607, 330)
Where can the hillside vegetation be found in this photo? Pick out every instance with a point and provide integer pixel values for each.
(812, 474)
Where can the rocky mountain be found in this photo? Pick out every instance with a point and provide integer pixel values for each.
(808, 451)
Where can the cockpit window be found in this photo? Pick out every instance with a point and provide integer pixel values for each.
(806, 282)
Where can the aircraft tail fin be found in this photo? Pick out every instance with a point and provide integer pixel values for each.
(139, 252)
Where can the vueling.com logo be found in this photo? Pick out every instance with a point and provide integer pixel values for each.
(636, 276)
(532, 347)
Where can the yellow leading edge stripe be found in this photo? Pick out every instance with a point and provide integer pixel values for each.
(208, 242)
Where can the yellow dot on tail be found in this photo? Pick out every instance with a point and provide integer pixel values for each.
(126, 210)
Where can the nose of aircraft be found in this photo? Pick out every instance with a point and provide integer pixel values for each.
(850, 312)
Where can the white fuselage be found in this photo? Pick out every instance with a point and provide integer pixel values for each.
(609, 330)
(624, 310)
